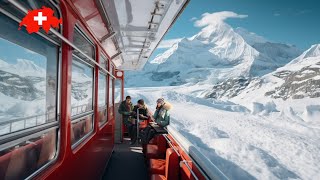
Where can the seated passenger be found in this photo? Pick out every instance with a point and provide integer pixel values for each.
(125, 109)
(143, 115)
(143, 110)
(161, 117)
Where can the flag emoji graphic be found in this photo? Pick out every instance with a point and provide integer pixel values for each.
(40, 18)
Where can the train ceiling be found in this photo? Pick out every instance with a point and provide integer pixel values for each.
(130, 30)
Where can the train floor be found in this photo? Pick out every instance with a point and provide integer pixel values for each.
(127, 163)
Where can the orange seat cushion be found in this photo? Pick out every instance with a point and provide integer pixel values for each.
(152, 151)
(158, 177)
(157, 166)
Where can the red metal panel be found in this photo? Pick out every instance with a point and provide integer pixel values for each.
(88, 160)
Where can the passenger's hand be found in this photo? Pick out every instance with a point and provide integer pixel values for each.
(132, 113)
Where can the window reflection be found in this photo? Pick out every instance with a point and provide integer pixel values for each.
(102, 94)
(81, 87)
(28, 79)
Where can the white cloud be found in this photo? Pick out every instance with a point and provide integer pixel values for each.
(213, 18)
(29, 51)
(193, 19)
(168, 43)
(276, 14)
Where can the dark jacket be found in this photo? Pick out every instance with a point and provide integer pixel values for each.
(162, 115)
(142, 111)
(126, 112)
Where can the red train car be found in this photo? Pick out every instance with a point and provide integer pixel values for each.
(68, 85)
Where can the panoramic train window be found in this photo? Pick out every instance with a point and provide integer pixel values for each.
(28, 100)
(28, 79)
(81, 89)
(102, 93)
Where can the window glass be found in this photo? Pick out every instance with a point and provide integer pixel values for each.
(20, 160)
(102, 91)
(81, 87)
(28, 98)
(81, 127)
(111, 87)
(83, 44)
(103, 61)
(28, 78)
(117, 91)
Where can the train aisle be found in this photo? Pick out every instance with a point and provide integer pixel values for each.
(127, 162)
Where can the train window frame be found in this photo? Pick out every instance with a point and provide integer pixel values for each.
(104, 108)
(80, 118)
(20, 139)
(111, 70)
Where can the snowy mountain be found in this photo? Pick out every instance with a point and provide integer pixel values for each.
(301, 77)
(216, 53)
(23, 67)
(298, 79)
(20, 87)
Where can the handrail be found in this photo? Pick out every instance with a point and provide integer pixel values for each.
(25, 120)
(190, 169)
(208, 169)
(170, 143)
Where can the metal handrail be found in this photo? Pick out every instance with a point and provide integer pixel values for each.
(25, 120)
(190, 169)
(171, 145)
(206, 167)
(77, 108)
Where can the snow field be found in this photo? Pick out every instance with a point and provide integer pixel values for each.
(244, 145)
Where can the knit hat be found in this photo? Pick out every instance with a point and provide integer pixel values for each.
(161, 101)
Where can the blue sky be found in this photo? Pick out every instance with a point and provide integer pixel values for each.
(10, 52)
(293, 22)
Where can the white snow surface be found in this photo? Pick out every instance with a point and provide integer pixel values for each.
(247, 137)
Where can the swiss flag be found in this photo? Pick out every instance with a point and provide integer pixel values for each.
(40, 17)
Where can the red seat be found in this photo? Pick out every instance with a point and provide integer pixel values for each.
(152, 141)
(157, 166)
(152, 151)
(143, 124)
(172, 167)
(157, 177)
(157, 151)
(4, 162)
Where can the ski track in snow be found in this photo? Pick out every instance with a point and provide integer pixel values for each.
(242, 145)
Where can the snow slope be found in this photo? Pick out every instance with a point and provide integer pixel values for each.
(243, 144)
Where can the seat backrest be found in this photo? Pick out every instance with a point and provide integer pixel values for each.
(162, 144)
(172, 165)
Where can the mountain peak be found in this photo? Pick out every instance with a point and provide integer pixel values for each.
(313, 51)
(250, 37)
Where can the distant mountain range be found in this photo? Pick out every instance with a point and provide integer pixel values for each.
(231, 60)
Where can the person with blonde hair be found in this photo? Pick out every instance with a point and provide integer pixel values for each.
(161, 117)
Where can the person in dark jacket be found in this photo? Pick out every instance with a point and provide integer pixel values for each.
(143, 112)
(126, 109)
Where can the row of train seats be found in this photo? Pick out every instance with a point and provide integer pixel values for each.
(22, 160)
(163, 161)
